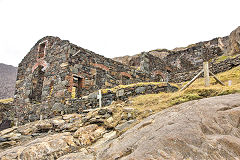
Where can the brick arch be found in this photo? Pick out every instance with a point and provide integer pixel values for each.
(158, 76)
(40, 62)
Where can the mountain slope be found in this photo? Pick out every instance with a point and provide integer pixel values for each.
(8, 76)
(193, 54)
(95, 134)
(200, 129)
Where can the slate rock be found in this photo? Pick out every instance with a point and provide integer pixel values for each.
(3, 139)
(140, 90)
(93, 95)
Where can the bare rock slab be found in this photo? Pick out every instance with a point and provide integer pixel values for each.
(49, 147)
(201, 129)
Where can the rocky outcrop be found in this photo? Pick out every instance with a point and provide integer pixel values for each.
(5, 115)
(183, 63)
(202, 129)
(215, 67)
(91, 101)
(234, 42)
(8, 75)
(179, 59)
(66, 136)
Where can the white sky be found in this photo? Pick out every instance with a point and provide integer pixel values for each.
(113, 27)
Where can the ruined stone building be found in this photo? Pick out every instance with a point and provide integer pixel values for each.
(182, 64)
(55, 70)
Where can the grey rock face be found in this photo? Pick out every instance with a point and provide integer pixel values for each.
(140, 90)
(7, 80)
(58, 107)
(202, 129)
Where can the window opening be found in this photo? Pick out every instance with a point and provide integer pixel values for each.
(51, 88)
(41, 49)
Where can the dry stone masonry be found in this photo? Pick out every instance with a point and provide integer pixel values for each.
(58, 77)
(182, 64)
(56, 72)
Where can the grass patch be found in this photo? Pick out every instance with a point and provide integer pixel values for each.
(9, 100)
(158, 102)
(221, 58)
(224, 57)
(140, 84)
(145, 105)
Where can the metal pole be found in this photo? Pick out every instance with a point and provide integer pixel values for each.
(100, 98)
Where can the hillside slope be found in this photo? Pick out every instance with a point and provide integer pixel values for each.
(185, 59)
(200, 129)
(8, 76)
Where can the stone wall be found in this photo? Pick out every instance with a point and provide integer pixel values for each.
(184, 62)
(78, 105)
(55, 70)
(163, 62)
(100, 72)
(29, 68)
(110, 95)
(193, 57)
(215, 67)
(7, 114)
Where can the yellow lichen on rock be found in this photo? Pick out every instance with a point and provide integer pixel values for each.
(9, 100)
(73, 92)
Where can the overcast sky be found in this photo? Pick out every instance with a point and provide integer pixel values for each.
(113, 27)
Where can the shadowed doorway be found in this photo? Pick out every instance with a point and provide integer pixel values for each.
(37, 85)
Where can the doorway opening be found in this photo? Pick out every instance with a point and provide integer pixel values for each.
(125, 80)
(77, 86)
(37, 85)
(158, 78)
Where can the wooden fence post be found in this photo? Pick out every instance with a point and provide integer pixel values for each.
(220, 82)
(206, 77)
(189, 83)
(206, 74)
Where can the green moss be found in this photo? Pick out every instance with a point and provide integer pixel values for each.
(9, 100)
(203, 92)
(221, 58)
(141, 84)
(184, 98)
(224, 57)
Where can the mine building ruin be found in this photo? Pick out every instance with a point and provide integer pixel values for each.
(55, 70)
(56, 73)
